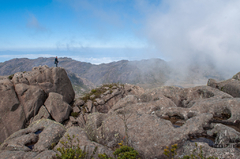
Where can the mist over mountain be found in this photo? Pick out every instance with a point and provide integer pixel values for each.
(147, 73)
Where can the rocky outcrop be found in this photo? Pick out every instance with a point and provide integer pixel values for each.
(49, 79)
(147, 120)
(57, 107)
(12, 116)
(31, 98)
(109, 97)
(230, 86)
(23, 94)
(80, 138)
(39, 138)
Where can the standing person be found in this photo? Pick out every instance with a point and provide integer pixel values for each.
(56, 61)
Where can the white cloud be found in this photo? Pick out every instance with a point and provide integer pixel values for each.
(34, 24)
(97, 61)
(191, 29)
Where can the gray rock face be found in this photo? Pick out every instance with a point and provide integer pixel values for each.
(79, 102)
(221, 153)
(22, 97)
(230, 86)
(31, 97)
(42, 114)
(111, 97)
(39, 136)
(12, 117)
(147, 120)
(140, 121)
(18, 155)
(84, 142)
(53, 79)
(57, 107)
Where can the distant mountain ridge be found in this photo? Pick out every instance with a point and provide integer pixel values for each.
(144, 72)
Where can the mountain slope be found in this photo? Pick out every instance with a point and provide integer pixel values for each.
(146, 73)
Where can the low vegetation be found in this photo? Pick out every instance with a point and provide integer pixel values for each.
(75, 114)
(10, 77)
(197, 153)
(69, 151)
(123, 152)
(96, 93)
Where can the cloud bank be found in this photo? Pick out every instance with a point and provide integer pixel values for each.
(193, 31)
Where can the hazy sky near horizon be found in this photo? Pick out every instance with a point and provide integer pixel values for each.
(102, 31)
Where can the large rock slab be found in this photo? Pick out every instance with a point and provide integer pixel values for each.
(42, 114)
(221, 153)
(12, 116)
(77, 133)
(18, 155)
(145, 132)
(53, 79)
(186, 97)
(31, 97)
(57, 107)
(139, 122)
(230, 86)
(39, 136)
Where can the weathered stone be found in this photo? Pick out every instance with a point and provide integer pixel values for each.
(94, 110)
(79, 102)
(221, 153)
(84, 142)
(17, 155)
(12, 116)
(100, 101)
(53, 79)
(92, 96)
(48, 154)
(130, 99)
(133, 89)
(116, 92)
(224, 135)
(42, 114)
(40, 135)
(81, 119)
(89, 105)
(107, 92)
(141, 124)
(49, 136)
(31, 97)
(94, 121)
(76, 109)
(114, 87)
(230, 86)
(237, 76)
(57, 107)
(189, 96)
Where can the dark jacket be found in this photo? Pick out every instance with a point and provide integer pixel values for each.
(56, 61)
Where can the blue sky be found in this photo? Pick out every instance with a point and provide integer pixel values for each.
(88, 30)
(102, 31)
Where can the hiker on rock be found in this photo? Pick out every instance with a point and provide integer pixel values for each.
(56, 61)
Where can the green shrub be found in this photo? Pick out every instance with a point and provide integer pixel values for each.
(11, 76)
(93, 91)
(98, 91)
(197, 153)
(75, 114)
(123, 152)
(69, 151)
(170, 153)
(104, 156)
